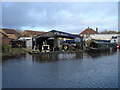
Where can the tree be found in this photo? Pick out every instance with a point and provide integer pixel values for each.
(109, 32)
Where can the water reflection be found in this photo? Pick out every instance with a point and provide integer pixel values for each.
(5, 58)
(53, 57)
(93, 54)
(43, 58)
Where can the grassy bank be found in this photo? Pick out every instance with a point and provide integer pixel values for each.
(13, 52)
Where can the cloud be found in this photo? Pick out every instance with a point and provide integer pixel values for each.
(71, 17)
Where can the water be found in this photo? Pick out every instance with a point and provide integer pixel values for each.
(62, 70)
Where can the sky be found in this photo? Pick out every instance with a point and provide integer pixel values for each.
(72, 17)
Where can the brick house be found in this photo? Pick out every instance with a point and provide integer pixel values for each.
(11, 33)
(4, 39)
(88, 32)
(30, 33)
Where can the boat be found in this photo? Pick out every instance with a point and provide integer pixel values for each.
(101, 46)
(117, 45)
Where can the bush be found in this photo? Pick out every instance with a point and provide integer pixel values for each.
(6, 47)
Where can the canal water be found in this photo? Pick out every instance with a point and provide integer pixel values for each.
(62, 70)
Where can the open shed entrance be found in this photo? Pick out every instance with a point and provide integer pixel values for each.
(57, 41)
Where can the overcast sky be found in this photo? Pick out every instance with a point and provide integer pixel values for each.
(72, 17)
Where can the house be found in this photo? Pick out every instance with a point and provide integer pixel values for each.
(30, 33)
(11, 33)
(5, 40)
(87, 32)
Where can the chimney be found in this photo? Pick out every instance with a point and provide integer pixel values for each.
(96, 30)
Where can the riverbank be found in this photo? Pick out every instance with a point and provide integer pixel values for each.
(53, 52)
(13, 52)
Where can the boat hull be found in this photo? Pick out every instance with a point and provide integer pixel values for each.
(102, 49)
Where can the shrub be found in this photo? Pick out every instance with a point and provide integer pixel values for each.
(6, 47)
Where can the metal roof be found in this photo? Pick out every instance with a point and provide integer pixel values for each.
(55, 33)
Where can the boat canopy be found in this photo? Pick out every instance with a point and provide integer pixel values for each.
(103, 40)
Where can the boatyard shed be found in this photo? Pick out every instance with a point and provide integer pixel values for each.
(27, 40)
(57, 41)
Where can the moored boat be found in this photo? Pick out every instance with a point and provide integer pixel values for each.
(101, 46)
(117, 45)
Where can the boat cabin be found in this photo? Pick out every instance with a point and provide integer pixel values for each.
(102, 45)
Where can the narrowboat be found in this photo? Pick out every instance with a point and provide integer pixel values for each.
(98, 46)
